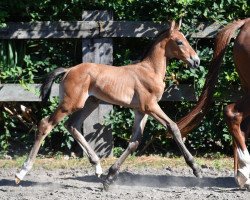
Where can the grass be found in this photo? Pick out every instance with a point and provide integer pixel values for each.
(156, 162)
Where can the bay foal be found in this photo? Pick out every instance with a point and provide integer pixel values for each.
(139, 86)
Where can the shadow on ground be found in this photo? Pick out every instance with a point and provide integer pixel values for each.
(26, 183)
(164, 181)
(130, 179)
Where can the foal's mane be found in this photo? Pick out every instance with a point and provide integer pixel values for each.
(159, 36)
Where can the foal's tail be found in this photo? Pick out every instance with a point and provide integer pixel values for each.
(193, 118)
(46, 86)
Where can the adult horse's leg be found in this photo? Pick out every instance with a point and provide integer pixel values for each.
(137, 131)
(74, 126)
(235, 114)
(243, 129)
(155, 111)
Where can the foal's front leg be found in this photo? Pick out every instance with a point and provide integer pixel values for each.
(155, 111)
(137, 131)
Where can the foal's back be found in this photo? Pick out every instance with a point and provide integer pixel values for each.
(126, 85)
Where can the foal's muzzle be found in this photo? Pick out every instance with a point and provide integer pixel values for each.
(194, 61)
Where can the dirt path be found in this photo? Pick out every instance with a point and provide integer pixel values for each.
(132, 184)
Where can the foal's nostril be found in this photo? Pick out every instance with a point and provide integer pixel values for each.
(197, 63)
(196, 60)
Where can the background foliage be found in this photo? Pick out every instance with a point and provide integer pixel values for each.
(28, 61)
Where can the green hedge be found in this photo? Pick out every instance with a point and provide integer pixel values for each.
(29, 61)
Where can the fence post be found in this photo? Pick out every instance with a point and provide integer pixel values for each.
(98, 50)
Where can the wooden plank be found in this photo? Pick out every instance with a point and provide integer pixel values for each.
(81, 29)
(131, 29)
(96, 28)
(47, 29)
(206, 30)
(27, 93)
(182, 92)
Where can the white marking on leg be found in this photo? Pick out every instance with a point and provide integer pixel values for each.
(25, 169)
(88, 151)
(242, 176)
(98, 169)
(244, 156)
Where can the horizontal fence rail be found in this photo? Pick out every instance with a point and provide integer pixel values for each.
(30, 92)
(95, 29)
(182, 92)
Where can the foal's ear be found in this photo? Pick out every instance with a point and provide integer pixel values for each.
(171, 26)
(178, 27)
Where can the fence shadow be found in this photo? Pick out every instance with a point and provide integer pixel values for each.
(165, 181)
(130, 179)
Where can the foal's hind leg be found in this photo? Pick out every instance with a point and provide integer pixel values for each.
(155, 111)
(235, 114)
(137, 131)
(44, 128)
(74, 125)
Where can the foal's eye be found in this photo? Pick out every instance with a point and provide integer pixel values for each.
(179, 42)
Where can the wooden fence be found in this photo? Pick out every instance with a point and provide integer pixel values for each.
(96, 29)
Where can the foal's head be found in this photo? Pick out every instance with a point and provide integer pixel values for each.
(178, 47)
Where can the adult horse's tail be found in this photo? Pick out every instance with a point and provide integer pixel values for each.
(45, 89)
(193, 118)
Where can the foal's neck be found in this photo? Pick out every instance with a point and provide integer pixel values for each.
(156, 58)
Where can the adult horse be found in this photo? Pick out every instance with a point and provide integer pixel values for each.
(236, 114)
(139, 86)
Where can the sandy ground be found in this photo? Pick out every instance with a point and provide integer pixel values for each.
(165, 183)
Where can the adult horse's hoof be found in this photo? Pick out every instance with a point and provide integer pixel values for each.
(247, 185)
(241, 178)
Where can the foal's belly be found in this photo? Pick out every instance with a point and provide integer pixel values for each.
(116, 95)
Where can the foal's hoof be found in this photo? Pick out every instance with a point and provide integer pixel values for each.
(108, 181)
(197, 173)
(17, 180)
(106, 186)
(98, 170)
